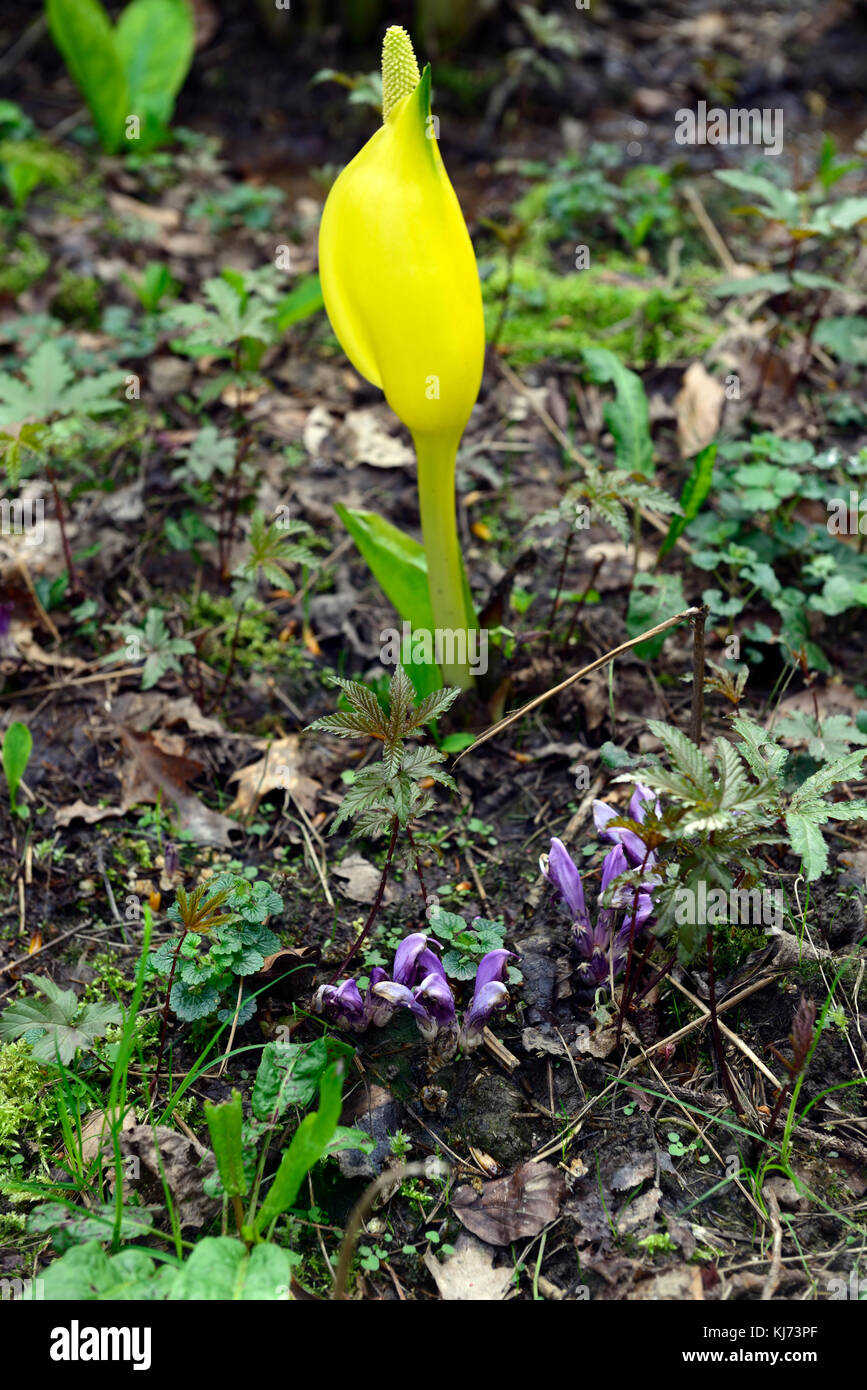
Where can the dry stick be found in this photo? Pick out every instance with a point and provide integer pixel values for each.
(697, 714)
(362, 1210)
(371, 917)
(570, 680)
(645, 1054)
(733, 1037)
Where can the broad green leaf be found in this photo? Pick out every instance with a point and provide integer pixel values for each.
(627, 416)
(808, 843)
(87, 1273)
(845, 337)
(155, 40)
(220, 1269)
(83, 33)
(652, 599)
(807, 280)
(695, 490)
(17, 747)
(66, 1025)
(289, 1074)
(398, 564)
(309, 1144)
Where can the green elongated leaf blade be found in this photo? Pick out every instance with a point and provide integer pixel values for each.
(628, 416)
(83, 32)
(399, 566)
(300, 303)
(224, 1126)
(309, 1143)
(774, 282)
(695, 491)
(155, 40)
(17, 747)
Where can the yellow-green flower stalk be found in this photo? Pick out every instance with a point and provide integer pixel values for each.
(401, 289)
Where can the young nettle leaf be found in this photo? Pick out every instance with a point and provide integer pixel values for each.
(65, 1024)
(48, 390)
(154, 643)
(390, 789)
(273, 550)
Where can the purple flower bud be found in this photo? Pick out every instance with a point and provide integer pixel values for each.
(431, 1002)
(343, 1004)
(560, 870)
(489, 995)
(405, 968)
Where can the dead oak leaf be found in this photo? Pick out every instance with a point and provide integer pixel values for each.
(699, 406)
(158, 769)
(79, 810)
(512, 1208)
(279, 770)
(469, 1274)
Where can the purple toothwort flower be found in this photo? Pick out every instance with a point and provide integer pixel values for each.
(430, 1001)
(489, 995)
(602, 946)
(344, 1004)
(641, 801)
(560, 870)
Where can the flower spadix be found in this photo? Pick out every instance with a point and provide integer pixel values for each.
(402, 292)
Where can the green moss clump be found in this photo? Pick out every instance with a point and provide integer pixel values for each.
(622, 305)
(22, 263)
(26, 1111)
(78, 299)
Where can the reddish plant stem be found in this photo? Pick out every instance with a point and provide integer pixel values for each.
(67, 553)
(625, 995)
(697, 714)
(375, 906)
(579, 606)
(165, 1026)
(714, 1025)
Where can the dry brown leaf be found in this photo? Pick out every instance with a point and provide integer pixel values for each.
(699, 404)
(469, 1274)
(366, 437)
(162, 1156)
(166, 219)
(512, 1208)
(79, 810)
(361, 879)
(279, 770)
(158, 768)
(681, 1285)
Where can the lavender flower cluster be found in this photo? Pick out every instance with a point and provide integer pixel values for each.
(418, 983)
(604, 947)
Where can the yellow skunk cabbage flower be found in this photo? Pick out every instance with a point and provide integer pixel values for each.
(401, 289)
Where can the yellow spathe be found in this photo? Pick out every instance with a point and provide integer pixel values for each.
(399, 275)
